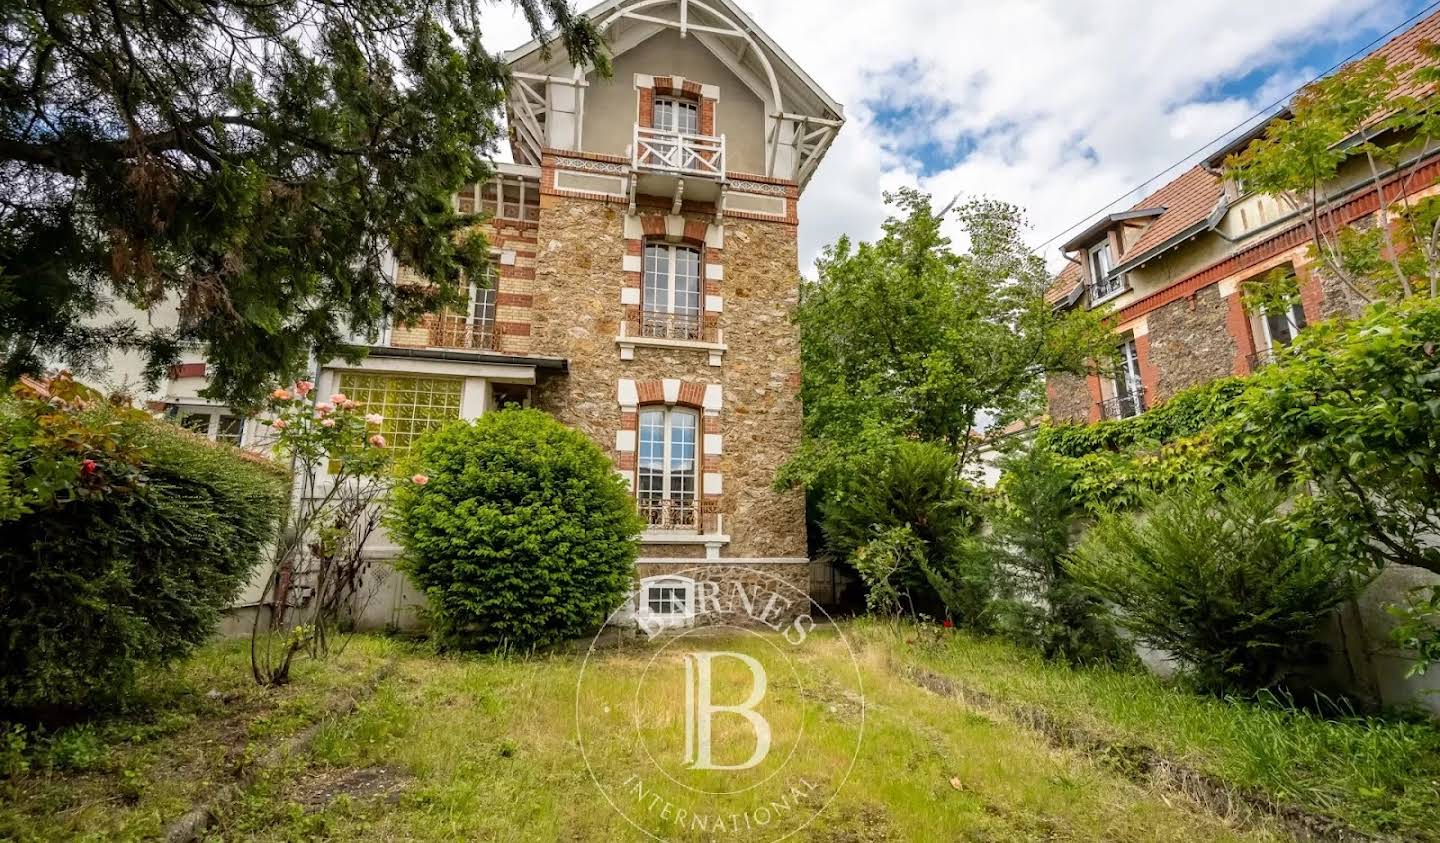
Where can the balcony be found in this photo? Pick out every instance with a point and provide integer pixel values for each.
(678, 153)
(1260, 359)
(686, 327)
(456, 331)
(1123, 406)
(681, 515)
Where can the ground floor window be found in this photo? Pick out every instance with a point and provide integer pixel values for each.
(213, 423)
(667, 468)
(410, 404)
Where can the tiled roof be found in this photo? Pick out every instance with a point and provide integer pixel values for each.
(1192, 196)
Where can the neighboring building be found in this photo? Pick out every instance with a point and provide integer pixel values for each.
(645, 272)
(1171, 269)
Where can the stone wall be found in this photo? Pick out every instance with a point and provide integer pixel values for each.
(576, 315)
(1189, 343)
(1069, 398)
(789, 582)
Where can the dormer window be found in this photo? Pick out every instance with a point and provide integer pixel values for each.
(677, 115)
(1103, 285)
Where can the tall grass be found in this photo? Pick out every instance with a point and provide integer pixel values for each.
(1378, 773)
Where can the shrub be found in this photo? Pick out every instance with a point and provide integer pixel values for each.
(519, 531)
(144, 533)
(1227, 585)
(908, 513)
(1034, 521)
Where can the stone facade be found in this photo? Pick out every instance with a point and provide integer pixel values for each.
(788, 582)
(1190, 343)
(1069, 398)
(577, 314)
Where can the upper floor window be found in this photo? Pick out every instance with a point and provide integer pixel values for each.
(502, 198)
(1103, 284)
(670, 293)
(1281, 328)
(667, 468)
(677, 115)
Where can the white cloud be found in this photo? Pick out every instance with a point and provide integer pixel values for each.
(1056, 105)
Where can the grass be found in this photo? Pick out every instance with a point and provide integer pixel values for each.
(1376, 774)
(125, 776)
(486, 748)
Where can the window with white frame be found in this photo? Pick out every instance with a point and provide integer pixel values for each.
(1281, 328)
(670, 292)
(215, 424)
(666, 598)
(677, 115)
(666, 478)
(1129, 397)
(482, 307)
(1103, 284)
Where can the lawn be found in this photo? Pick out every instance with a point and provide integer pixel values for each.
(496, 748)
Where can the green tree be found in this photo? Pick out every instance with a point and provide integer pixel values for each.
(1034, 521)
(517, 529)
(1358, 123)
(908, 338)
(253, 161)
(1227, 584)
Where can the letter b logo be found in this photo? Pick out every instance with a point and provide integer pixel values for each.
(700, 710)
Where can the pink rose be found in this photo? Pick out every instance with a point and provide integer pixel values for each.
(374, 418)
(281, 394)
(324, 407)
(377, 440)
(279, 424)
(337, 398)
(349, 404)
(419, 480)
(302, 388)
(327, 423)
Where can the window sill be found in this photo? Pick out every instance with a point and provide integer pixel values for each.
(627, 347)
(681, 537)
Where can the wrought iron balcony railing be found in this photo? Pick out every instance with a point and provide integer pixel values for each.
(654, 324)
(679, 153)
(462, 332)
(1261, 358)
(1124, 406)
(681, 515)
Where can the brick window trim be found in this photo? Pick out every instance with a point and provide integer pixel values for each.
(705, 399)
(649, 87)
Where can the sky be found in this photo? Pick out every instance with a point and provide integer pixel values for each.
(1063, 107)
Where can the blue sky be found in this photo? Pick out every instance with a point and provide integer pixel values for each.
(1058, 106)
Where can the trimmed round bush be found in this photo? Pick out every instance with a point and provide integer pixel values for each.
(517, 529)
(130, 557)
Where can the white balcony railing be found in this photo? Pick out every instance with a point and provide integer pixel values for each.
(675, 152)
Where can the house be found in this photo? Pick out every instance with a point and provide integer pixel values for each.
(1171, 270)
(645, 270)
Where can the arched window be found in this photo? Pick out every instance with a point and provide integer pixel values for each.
(670, 298)
(667, 468)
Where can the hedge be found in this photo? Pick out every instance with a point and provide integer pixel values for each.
(96, 584)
